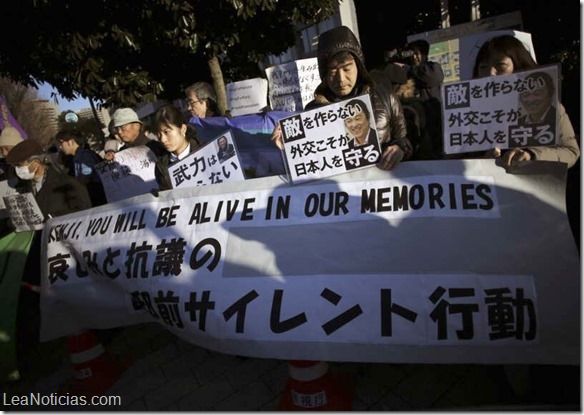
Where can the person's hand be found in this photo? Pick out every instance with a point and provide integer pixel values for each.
(515, 155)
(399, 64)
(391, 156)
(493, 153)
(277, 137)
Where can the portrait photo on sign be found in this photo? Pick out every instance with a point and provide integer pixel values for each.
(331, 140)
(225, 149)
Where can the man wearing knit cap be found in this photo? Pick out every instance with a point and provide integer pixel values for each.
(343, 74)
(128, 127)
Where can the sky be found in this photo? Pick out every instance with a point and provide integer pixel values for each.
(45, 91)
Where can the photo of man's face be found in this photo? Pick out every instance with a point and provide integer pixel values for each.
(358, 126)
(222, 142)
(536, 102)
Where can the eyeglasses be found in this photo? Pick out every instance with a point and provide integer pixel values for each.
(190, 102)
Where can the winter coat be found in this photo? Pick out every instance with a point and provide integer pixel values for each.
(59, 195)
(567, 151)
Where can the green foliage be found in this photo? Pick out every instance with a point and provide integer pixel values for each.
(124, 53)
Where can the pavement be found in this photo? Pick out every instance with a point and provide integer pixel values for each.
(168, 374)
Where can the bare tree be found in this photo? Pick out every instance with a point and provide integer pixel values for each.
(22, 102)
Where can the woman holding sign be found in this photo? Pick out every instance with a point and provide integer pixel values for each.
(178, 139)
(504, 55)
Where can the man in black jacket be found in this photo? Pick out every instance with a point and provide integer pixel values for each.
(341, 64)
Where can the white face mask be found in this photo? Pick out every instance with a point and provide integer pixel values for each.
(24, 173)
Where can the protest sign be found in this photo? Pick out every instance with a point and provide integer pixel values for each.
(291, 85)
(247, 97)
(131, 173)
(7, 188)
(516, 110)
(434, 262)
(331, 140)
(216, 162)
(24, 212)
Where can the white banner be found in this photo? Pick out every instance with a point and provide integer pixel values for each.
(216, 162)
(517, 110)
(434, 262)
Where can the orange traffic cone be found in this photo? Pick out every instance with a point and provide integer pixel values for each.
(311, 387)
(95, 370)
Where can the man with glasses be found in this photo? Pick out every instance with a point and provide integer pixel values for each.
(201, 100)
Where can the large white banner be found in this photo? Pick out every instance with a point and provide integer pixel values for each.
(434, 262)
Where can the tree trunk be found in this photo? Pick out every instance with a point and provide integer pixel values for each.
(97, 121)
(219, 84)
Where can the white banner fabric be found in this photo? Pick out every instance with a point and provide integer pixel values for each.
(452, 261)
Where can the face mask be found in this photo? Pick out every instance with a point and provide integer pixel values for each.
(24, 173)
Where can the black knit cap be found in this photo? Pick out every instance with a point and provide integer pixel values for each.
(339, 39)
(23, 151)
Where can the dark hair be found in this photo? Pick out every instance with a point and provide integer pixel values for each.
(70, 134)
(361, 104)
(509, 46)
(167, 115)
(419, 45)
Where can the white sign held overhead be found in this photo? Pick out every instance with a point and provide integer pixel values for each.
(292, 85)
(247, 97)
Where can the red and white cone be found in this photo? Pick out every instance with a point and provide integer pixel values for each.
(95, 370)
(311, 387)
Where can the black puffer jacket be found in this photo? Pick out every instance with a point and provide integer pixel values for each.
(388, 112)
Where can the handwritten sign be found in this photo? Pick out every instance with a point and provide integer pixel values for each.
(292, 85)
(131, 173)
(24, 211)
